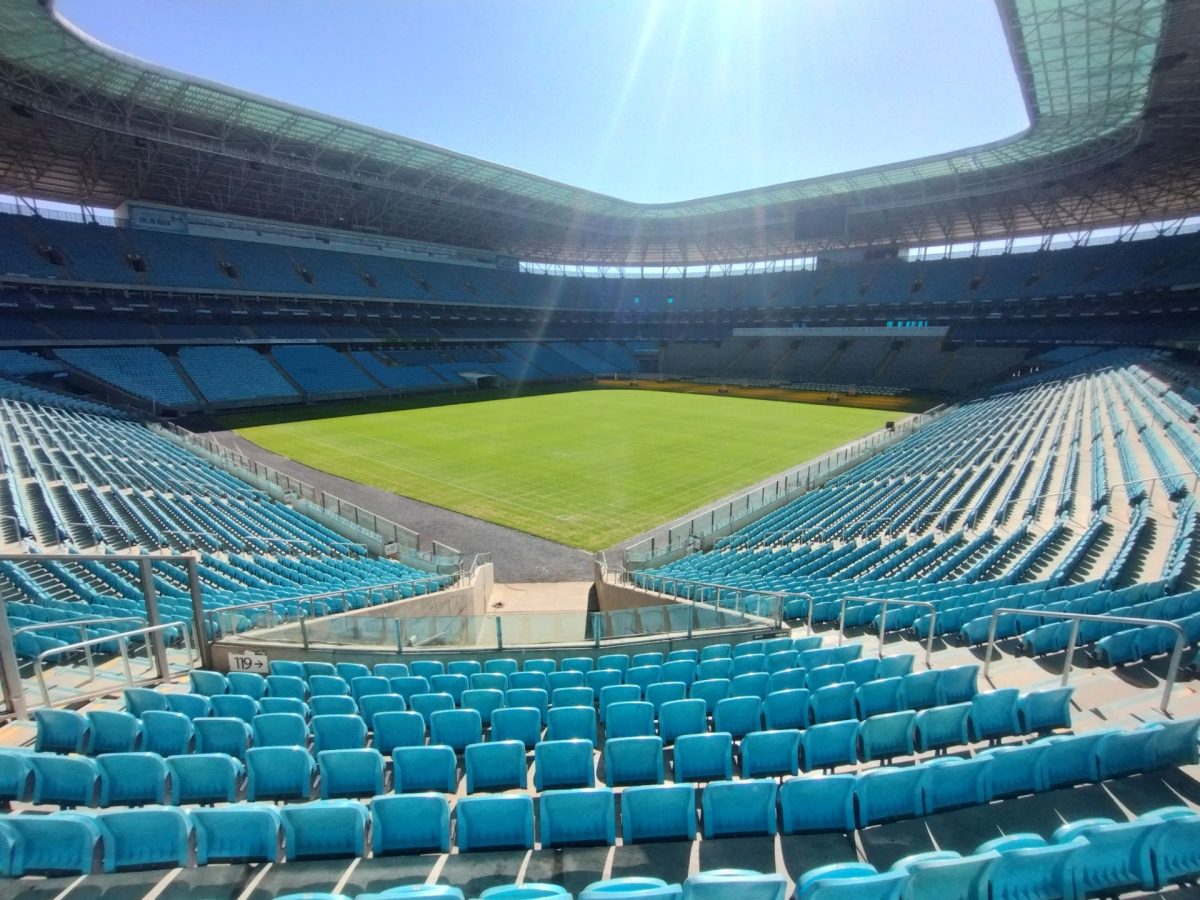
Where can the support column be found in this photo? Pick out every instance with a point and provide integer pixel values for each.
(157, 647)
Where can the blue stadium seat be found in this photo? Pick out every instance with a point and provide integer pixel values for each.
(222, 735)
(711, 691)
(860, 671)
(681, 670)
(245, 833)
(272, 705)
(885, 695)
(823, 676)
(132, 779)
(739, 808)
(61, 731)
(830, 745)
(1017, 770)
(454, 685)
(145, 838)
(738, 716)
(204, 778)
(390, 670)
(489, 681)
(579, 817)
(535, 698)
(502, 666)
(397, 729)
(140, 700)
(786, 708)
(573, 696)
(247, 684)
(941, 727)
(1070, 759)
(350, 773)
(426, 668)
(279, 773)
(770, 753)
(324, 829)
(410, 823)
(633, 760)
(408, 686)
(287, 686)
(703, 757)
(517, 723)
(546, 666)
(66, 781)
(194, 706)
(749, 663)
(716, 884)
(665, 692)
(556, 681)
(582, 664)
(455, 728)
(715, 669)
(787, 680)
(495, 766)
(207, 683)
(484, 701)
(887, 736)
(288, 667)
(817, 803)
(994, 715)
(338, 732)
(1043, 711)
(502, 822)
(568, 722)
(235, 706)
(529, 681)
(599, 679)
(921, 689)
(423, 769)
(944, 874)
(643, 676)
(1175, 850)
(842, 881)
(332, 705)
(616, 693)
(16, 777)
(377, 703)
(750, 684)
(951, 782)
(958, 684)
(680, 717)
(658, 813)
(53, 845)
(832, 703)
(167, 733)
(629, 719)
(113, 731)
(887, 793)
(617, 661)
(563, 764)
(348, 671)
(279, 730)
(1114, 857)
(1027, 866)
(319, 668)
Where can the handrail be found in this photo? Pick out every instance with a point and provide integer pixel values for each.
(81, 624)
(782, 596)
(122, 643)
(1172, 668)
(886, 601)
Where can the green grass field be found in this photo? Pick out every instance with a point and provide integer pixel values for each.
(587, 468)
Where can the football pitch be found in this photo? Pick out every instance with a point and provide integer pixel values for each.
(586, 468)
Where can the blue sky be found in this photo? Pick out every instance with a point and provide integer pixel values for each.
(646, 100)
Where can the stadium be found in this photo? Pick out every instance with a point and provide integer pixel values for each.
(377, 521)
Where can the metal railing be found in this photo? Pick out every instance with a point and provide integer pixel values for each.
(886, 602)
(1172, 668)
(81, 624)
(122, 640)
(740, 593)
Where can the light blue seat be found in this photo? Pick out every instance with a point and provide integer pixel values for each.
(945, 875)
(427, 704)
(333, 705)
(534, 698)
(61, 731)
(338, 732)
(750, 684)
(739, 808)
(823, 676)
(454, 685)
(545, 666)
(633, 760)
(817, 803)
(738, 716)
(194, 706)
(467, 667)
(420, 769)
(664, 692)
(243, 833)
(781, 660)
(829, 745)
(580, 817)
(1070, 759)
(1175, 850)
(787, 680)
(287, 686)
(573, 696)
(502, 666)
(643, 676)
(489, 681)
(556, 681)
(617, 693)
(568, 722)
(1114, 857)
(680, 717)
(132, 779)
(208, 684)
(112, 731)
(503, 822)
(921, 689)
(529, 680)
(658, 813)
(372, 704)
(247, 684)
(409, 686)
(140, 700)
(271, 705)
(681, 670)
(369, 686)
(495, 766)
(843, 881)
(770, 753)
(427, 668)
(786, 708)
(279, 773)
(410, 823)
(235, 706)
(832, 703)
(716, 651)
(54, 845)
(703, 757)
(648, 658)
(517, 723)
(748, 647)
(1043, 711)
(324, 829)
(748, 663)
(884, 695)
(484, 701)
(390, 670)
(994, 715)
(1027, 866)
(288, 667)
(279, 730)
(16, 779)
(715, 669)
(958, 684)
(861, 671)
(582, 664)
(455, 728)
(318, 667)
(201, 778)
(895, 666)
(887, 793)
(222, 735)
(1017, 770)
(629, 719)
(717, 884)
(711, 691)
(397, 729)
(951, 782)
(1126, 752)
(618, 661)
(350, 773)
(887, 736)
(563, 764)
(1177, 743)
(66, 781)
(599, 679)
(145, 838)
(941, 727)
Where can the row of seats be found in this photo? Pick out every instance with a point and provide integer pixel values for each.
(420, 822)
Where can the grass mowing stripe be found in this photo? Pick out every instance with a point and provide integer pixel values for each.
(587, 468)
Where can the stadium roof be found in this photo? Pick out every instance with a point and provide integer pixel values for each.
(1112, 89)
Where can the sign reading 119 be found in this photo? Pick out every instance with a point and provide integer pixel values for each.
(248, 662)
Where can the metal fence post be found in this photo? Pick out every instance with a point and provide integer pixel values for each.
(157, 648)
(202, 640)
(10, 670)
